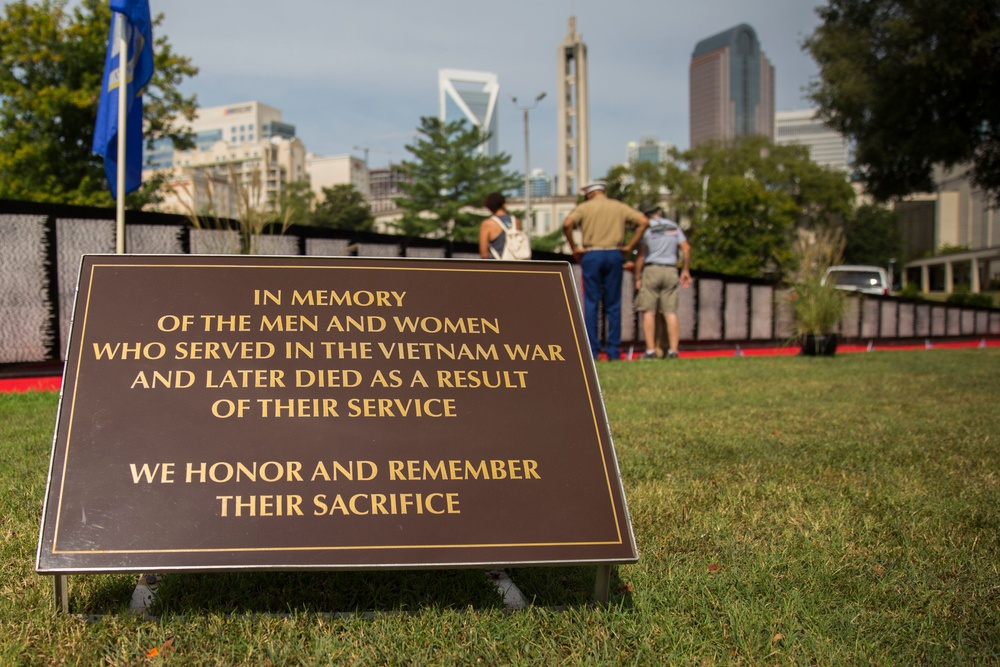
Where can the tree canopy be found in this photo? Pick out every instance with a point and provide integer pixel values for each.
(743, 199)
(873, 236)
(344, 207)
(449, 176)
(914, 84)
(296, 202)
(52, 61)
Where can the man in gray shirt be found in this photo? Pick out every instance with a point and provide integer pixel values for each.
(663, 248)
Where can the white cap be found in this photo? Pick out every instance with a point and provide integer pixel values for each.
(593, 186)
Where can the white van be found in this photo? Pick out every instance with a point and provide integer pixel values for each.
(856, 278)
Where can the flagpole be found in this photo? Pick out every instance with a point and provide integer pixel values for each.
(122, 119)
(130, 30)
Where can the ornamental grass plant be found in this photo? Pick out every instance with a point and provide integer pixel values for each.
(233, 204)
(816, 305)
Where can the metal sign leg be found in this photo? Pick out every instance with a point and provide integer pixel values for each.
(61, 582)
(602, 586)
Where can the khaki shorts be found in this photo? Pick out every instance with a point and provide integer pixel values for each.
(660, 289)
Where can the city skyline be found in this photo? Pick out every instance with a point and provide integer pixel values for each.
(353, 77)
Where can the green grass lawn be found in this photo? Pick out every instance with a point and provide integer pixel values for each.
(787, 510)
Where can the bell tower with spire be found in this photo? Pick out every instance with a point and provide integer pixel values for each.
(573, 124)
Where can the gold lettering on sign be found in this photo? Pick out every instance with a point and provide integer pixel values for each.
(475, 379)
(222, 472)
(363, 471)
(446, 325)
(459, 469)
(438, 351)
(267, 505)
(395, 407)
(297, 407)
(245, 379)
(216, 350)
(358, 298)
(385, 503)
(290, 323)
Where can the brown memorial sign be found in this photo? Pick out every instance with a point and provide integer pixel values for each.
(328, 413)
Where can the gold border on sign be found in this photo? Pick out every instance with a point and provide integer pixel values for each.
(593, 400)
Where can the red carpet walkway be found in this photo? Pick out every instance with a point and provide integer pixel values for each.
(54, 383)
(30, 384)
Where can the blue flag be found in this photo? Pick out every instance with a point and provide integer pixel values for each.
(134, 19)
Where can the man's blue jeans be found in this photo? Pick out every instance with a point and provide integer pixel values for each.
(602, 280)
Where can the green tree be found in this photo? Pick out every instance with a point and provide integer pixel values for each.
(873, 236)
(743, 200)
(746, 230)
(296, 202)
(50, 81)
(822, 196)
(449, 179)
(640, 183)
(914, 84)
(550, 242)
(343, 207)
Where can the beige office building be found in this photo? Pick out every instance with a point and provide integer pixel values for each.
(827, 147)
(953, 233)
(246, 142)
(327, 171)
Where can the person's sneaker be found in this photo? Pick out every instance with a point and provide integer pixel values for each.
(673, 354)
(649, 354)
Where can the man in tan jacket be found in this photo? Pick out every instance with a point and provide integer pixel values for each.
(602, 222)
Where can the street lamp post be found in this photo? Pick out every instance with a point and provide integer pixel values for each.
(527, 161)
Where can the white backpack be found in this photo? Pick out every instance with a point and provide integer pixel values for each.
(517, 244)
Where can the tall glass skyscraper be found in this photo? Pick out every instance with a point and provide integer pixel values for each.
(732, 87)
(472, 96)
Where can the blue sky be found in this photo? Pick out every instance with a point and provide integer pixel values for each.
(363, 73)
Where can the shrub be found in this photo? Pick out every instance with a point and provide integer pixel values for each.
(965, 298)
(911, 291)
